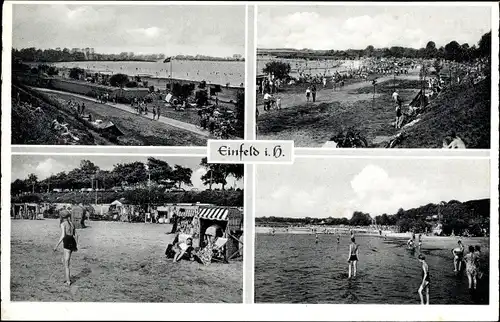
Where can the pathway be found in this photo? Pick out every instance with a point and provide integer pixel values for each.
(341, 95)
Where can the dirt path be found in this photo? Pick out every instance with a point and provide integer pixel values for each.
(342, 95)
(165, 120)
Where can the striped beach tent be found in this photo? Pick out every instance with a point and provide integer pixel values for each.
(214, 213)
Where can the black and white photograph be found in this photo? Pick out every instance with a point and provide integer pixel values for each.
(374, 76)
(373, 231)
(126, 229)
(136, 75)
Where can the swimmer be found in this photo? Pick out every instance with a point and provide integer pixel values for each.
(471, 267)
(458, 254)
(353, 257)
(425, 281)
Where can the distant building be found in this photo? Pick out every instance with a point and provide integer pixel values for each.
(74, 50)
(237, 56)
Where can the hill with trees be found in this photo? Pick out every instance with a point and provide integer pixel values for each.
(458, 217)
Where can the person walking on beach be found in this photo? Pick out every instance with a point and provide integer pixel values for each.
(470, 267)
(313, 91)
(154, 112)
(477, 252)
(317, 239)
(338, 239)
(353, 257)
(69, 238)
(458, 254)
(308, 93)
(425, 281)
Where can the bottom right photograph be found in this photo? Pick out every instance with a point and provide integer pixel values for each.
(373, 231)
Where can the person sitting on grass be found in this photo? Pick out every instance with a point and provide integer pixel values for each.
(456, 142)
(183, 248)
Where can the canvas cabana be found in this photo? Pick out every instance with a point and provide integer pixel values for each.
(226, 222)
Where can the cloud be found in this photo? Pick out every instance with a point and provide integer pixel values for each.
(150, 32)
(327, 29)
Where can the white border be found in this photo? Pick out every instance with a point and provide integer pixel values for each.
(158, 311)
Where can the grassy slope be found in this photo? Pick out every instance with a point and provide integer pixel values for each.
(34, 128)
(464, 109)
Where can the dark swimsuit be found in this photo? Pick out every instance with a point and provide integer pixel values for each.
(427, 278)
(353, 257)
(69, 242)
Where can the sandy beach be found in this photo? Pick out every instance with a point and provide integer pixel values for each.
(116, 262)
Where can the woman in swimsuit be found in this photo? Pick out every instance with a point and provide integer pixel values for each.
(470, 267)
(458, 254)
(353, 257)
(69, 238)
(425, 280)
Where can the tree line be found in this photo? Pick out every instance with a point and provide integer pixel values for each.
(453, 51)
(134, 174)
(454, 216)
(33, 54)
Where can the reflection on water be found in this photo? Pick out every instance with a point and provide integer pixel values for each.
(294, 269)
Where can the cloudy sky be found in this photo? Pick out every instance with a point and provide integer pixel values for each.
(44, 166)
(356, 27)
(336, 187)
(172, 30)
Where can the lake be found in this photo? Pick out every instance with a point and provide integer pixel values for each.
(213, 72)
(292, 268)
(313, 67)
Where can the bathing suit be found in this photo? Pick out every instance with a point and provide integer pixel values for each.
(470, 264)
(69, 242)
(427, 278)
(398, 112)
(353, 257)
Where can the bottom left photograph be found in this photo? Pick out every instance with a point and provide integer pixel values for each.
(126, 229)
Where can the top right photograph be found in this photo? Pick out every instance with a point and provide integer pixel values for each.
(374, 77)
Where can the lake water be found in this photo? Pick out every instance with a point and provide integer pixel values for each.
(213, 72)
(292, 268)
(313, 67)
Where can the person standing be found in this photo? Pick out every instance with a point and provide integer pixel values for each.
(424, 286)
(458, 254)
(154, 112)
(69, 238)
(308, 93)
(353, 257)
(313, 91)
(471, 268)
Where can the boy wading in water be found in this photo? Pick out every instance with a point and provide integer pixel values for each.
(353, 257)
(69, 238)
(425, 281)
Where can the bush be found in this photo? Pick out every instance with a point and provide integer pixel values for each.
(118, 80)
(75, 72)
(201, 98)
(131, 84)
(279, 69)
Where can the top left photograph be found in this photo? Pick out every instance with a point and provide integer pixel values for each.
(134, 75)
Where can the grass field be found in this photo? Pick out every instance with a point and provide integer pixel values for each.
(116, 262)
(137, 130)
(464, 109)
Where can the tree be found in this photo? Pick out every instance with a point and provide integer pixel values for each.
(452, 51)
(131, 173)
(118, 80)
(182, 175)
(280, 70)
(75, 72)
(18, 186)
(360, 219)
(484, 45)
(201, 98)
(182, 91)
(430, 49)
(240, 114)
(159, 170)
(32, 180)
(369, 51)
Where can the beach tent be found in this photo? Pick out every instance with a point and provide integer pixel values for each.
(227, 219)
